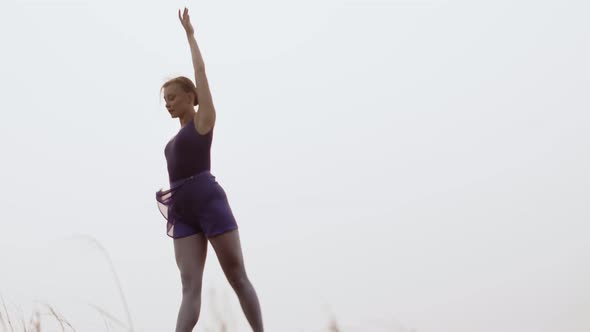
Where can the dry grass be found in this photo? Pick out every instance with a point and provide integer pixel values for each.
(8, 323)
(35, 324)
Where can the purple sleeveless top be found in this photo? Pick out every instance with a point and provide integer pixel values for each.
(188, 152)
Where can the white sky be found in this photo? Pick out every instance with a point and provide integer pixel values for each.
(394, 164)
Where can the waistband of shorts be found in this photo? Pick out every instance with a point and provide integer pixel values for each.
(196, 175)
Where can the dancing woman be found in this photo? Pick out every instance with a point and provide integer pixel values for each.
(196, 206)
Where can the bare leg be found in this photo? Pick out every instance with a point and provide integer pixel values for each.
(190, 252)
(229, 252)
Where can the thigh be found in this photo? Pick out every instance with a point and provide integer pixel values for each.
(229, 252)
(191, 252)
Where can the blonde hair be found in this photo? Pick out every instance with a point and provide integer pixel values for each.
(185, 84)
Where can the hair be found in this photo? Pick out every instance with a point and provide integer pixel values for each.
(185, 84)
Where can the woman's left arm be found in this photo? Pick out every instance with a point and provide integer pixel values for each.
(206, 107)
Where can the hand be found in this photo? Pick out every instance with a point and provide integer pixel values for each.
(185, 20)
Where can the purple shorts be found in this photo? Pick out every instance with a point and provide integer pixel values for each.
(197, 204)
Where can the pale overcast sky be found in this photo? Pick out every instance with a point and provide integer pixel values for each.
(396, 165)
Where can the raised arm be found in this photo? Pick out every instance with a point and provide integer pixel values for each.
(206, 109)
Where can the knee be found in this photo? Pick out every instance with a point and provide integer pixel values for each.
(238, 280)
(191, 284)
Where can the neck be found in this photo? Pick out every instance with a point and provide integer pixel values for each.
(186, 118)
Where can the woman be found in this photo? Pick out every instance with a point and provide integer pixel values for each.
(196, 206)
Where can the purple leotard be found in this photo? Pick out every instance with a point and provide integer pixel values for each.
(195, 202)
(188, 152)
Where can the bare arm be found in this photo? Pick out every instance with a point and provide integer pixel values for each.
(206, 107)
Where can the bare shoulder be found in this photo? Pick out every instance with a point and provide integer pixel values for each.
(203, 126)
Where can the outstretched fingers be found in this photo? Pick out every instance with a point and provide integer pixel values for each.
(185, 16)
(185, 20)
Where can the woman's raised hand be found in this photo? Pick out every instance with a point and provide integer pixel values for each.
(185, 20)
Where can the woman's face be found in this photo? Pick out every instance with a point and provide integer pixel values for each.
(177, 101)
